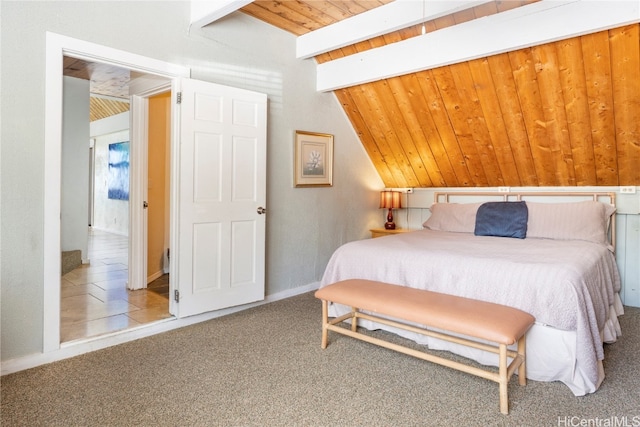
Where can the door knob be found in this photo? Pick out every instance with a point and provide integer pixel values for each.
(261, 210)
(145, 204)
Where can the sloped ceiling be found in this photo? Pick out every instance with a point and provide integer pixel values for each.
(565, 113)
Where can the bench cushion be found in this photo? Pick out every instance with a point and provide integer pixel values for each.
(484, 320)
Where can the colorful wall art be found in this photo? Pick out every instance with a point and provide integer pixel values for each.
(118, 184)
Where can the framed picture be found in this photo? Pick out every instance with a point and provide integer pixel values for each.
(118, 178)
(313, 159)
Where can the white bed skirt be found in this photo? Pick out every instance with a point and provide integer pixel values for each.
(551, 352)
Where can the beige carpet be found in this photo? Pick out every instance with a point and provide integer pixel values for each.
(264, 367)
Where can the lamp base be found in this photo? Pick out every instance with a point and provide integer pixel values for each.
(390, 225)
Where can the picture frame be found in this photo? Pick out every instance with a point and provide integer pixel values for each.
(118, 172)
(313, 160)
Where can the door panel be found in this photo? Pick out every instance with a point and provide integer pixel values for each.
(243, 265)
(207, 254)
(222, 184)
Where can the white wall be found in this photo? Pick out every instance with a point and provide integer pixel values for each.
(74, 229)
(109, 125)
(304, 225)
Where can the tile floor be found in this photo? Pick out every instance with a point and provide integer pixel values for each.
(95, 299)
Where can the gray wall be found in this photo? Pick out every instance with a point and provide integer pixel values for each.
(304, 225)
(74, 230)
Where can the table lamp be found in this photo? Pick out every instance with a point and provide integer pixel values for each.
(390, 200)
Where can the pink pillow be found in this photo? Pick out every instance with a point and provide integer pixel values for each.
(456, 217)
(588, 220)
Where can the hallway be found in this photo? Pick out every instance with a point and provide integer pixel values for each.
(95, 299)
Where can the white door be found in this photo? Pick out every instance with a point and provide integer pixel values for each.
(222, 191)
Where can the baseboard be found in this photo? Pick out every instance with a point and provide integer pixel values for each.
(154, 276)
(77, 348)
(291, 292)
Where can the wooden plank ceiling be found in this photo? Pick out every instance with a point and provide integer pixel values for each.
(560, 114)
(108, 86)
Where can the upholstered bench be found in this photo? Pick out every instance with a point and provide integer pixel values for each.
(478, 324)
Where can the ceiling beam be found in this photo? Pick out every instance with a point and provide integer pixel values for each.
(537, 23)
(205, 12)
(376, 22)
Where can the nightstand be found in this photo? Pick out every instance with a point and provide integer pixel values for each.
(379, 232)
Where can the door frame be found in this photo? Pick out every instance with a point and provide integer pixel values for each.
(58, 46)
(92, 169)
(140, 92)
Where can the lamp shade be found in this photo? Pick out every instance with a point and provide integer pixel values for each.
(390, 199)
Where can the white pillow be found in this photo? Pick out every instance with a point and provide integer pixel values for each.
(456, 217)
(588, 220)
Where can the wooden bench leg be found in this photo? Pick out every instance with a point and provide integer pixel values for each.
(354, 319)
(504, 380)
(325, 322)
(522, 372)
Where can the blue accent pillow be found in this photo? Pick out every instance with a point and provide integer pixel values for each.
(502, 219)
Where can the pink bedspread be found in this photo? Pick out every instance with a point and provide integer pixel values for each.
(569, 285)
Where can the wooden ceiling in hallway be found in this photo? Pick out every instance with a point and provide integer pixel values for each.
(565, 113)
(108, 86)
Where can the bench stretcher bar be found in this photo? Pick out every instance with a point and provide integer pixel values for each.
(505, 369)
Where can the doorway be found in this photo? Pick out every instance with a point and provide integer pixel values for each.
(158, 189)
(57, 47)
(95, 298)
(237, 154)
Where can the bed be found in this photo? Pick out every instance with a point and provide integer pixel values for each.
(553, 260)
